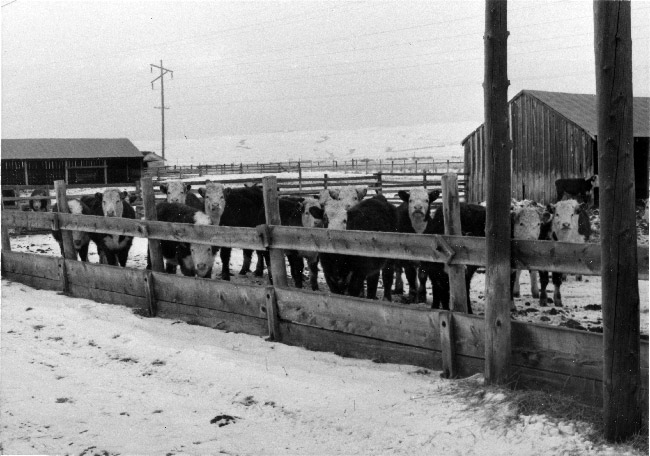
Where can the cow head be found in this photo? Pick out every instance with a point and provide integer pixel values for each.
(79, 238)
(526, 217)
(112, 202)
(175, 190)
(214, 199)
(39, 205)
(335, 214)
(202, 255)
(308, 218)
(566, 220)
(419, 201)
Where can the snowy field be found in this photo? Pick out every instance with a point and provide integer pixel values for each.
(85, 378)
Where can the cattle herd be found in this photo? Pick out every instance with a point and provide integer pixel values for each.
(346, 208)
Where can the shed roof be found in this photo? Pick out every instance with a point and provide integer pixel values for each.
(580, 109)
(48, 148)
(152, 157)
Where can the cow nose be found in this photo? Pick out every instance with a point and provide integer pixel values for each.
(76, 244)
(566, 225)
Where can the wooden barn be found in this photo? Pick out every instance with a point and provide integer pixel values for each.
(554, 136)
(75, 160)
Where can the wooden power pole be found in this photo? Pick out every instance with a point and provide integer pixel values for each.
(163, 72)
(620, 285)
(497, 223)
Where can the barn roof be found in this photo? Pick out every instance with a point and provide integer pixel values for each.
(48, 148)
(580, 109)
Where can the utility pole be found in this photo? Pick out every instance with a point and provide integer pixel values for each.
(163, 72)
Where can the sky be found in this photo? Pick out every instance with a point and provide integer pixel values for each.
(83, 69)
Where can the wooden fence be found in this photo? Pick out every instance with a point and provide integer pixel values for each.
(557, 358)
(366, 165)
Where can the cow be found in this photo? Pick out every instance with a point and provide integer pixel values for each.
(80, 239)
(112, 249)
(349, 194)
(575, 188)
(526, 218)
(40, 205)
(296, 212)
(472, 220)
(568, 221)
(412, 215)
(346, 272)
(193, 259)
(233, 207)
(178, 191)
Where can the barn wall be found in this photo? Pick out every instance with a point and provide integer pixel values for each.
(545, 147)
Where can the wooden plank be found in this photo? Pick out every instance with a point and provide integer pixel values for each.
(69, 252)
(108, 297)
(272, 315)
(451, 214)
(40, 283)
(277, 268)
(225, 321)
(63, 275)
(150, 293)
(104, 277)
(445, 326)
(28, 219)
(362, 317)
(30, 264)
(6, 240)
(154, 252)
(211, 294)
(358, 347)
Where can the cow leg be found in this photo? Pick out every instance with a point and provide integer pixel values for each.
(170, 268)
(411, 273)
(355, 288)
(259, 268)
(534, 285)
(297, 266)
(225, 263)
(83, 253)
(557, 283)
(399, 283)
(423, 274)
(122, 257)
(514, 283)
(313, 274)
(372, 283)
(543, 283)
(387, 280)
(246, 266)
(440, 286)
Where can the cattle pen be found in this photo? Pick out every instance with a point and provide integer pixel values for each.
(546, 357)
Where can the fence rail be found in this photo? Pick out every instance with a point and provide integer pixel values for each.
(542, 356)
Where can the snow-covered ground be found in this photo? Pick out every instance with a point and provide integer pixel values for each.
(440, 140)
(85, 378)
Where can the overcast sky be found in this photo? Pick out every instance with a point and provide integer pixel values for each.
(82, 69)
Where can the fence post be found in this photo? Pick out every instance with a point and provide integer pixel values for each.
(6, 241)
(392, 166)
(299, 176)
(620, 285)
(149, 203)
(69, 251)
(272, 215)
(451, 213)
(424, 178)
(325, 181)
(380, 184)
(447, 165)
(447, 345)
(498, 170)
(63, 275)
(416, 166)
(272, 314)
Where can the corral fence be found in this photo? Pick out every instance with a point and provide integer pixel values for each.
(365, 165)
(547, 357)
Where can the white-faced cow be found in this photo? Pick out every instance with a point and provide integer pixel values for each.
(40, 205)
(178, 191)
(112, 249)
(526, 219)
(193, 259)
(349, 194)
(80, 239)
(412, 215)
(569, 222)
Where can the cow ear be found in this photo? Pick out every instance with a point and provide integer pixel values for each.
(123, 194)
(226, 192)
(301, 200)
(434, 195)
(163, 188)
(361, 192)
(99, 195)
(317, 212)
(334, 193)
(404, 195)
(581, 207)
(202, 192)
(188, 186)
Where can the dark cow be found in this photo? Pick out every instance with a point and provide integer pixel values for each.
(296, 212)
(233, 207)
(472, 221)
(178, 191)
(112, 249)
(413, 215)
(568, 222)
(40, 205)
(194, 259)
(348, 273)
(80, 239)
(575, 188)
(9, 193)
